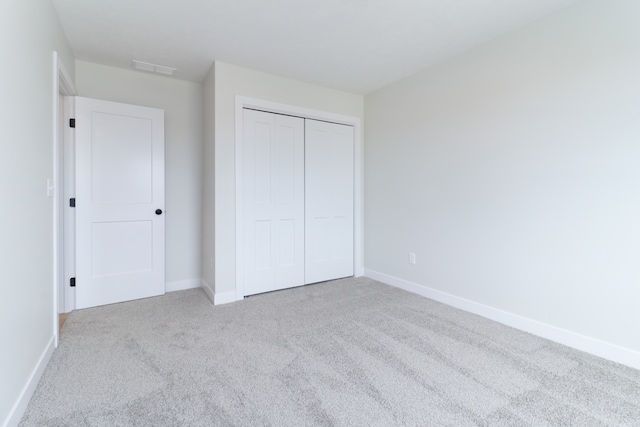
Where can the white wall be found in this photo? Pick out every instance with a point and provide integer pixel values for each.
(182, 104)
(512, 172)
(29, 33)
(231, 80)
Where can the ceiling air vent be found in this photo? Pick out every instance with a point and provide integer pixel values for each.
(153, 68)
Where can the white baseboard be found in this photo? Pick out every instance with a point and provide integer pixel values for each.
(208, 290)
(182, 285)
(224, 298)
(219, 298)
(584, 343)
(16, 413)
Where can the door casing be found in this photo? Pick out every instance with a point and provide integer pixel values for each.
(63, 92)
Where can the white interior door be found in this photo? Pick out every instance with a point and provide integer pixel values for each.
(329, 201)
(119, 202)
(273, 202)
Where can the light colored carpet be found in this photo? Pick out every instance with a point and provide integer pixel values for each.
(348, 352)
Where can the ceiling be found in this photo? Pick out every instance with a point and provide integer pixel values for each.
(352, 45)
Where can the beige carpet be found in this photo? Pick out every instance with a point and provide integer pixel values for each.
(352, 352)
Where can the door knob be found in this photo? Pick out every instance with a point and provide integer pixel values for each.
(158, 211)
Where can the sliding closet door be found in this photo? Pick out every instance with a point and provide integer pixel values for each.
(329, 152)
(273, 201)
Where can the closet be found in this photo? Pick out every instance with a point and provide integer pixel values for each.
(298, 201)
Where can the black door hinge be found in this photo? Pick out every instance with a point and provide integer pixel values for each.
(72, 123)
(72, 202)
(72, 282)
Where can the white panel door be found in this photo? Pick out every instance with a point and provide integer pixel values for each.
(329, 199)
(120, 223)
(273, 202)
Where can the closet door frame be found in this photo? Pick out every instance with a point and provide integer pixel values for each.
(291, 110)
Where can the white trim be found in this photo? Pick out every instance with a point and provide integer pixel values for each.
(66, 84)
(62, 85)
(218, 299)
(224, 298)
(182, 285)
(20, 406)
(580, 342)
(239, 199)
(57, 166)
(274, 107)
(208, 290)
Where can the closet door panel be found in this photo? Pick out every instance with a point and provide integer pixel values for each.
(273, 202)
(329, 197)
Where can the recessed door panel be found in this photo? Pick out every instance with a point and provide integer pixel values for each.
(128, 143)
(317, 229)
(263, 134)
(341, 236)
(317, 158)
(286, 170)
(111, 257)
(263, 245)
(287, 242)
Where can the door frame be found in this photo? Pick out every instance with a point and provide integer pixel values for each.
(243, 102)
(63, 89)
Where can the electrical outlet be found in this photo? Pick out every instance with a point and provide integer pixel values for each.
(412, 258)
